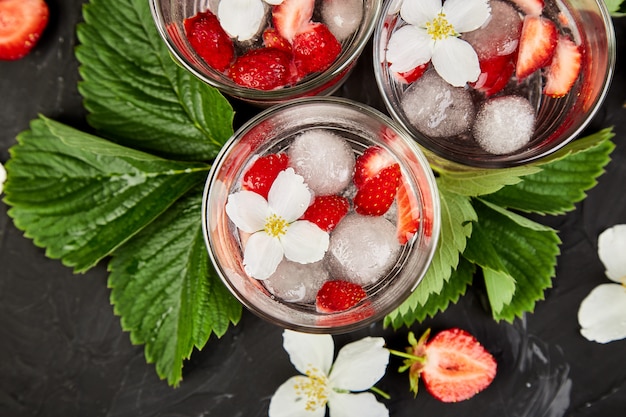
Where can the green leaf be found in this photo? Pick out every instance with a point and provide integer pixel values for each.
(563, 181)
(500, 288)
(614, 7)
(136, 94)
(167, 295)
(81, 197)
(475, 182)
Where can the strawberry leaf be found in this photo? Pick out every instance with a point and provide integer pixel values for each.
(615, 7)
(475, 182)
(172, 302)
(136, 94)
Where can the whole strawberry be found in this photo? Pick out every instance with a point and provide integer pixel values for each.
(315, 49)
(21, 24)
(337, 295)
(262, 173)
(327, 211)
(209, 40)
(263, 69)
(377, 194)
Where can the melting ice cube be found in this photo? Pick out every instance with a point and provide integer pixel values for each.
(499, 36)
(342, 17)
(294, 282)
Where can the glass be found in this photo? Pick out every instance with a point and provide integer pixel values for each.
(273, 131)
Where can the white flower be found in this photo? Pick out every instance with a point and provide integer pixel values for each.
(3, 176)
(433, 33)
(272, 222)
(359, 365)
(242, 19)
(602, 314)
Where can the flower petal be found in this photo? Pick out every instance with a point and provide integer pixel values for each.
(3, 176)
(350, 405)
(408, 48)
(467, 15)
(611, 250)
(305, 242)
(602, 314)
(273, 2)
(248, 210)
(419, 12)
(289, 196)
(359, 365)
(309, 350)
(287, 402)
(262, 255)
(241, 19)
(456, 61)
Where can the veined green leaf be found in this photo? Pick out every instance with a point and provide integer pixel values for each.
(614, 7)
(477, 182)
(167, 295)
(81, 197)
(136, 94)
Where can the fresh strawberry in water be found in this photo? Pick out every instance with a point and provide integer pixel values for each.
(410, 76)
(315, 49)
(370, 163)
(376, 196)
(291, 16)
(494, 74)
(261, 175)
(530, 7)
(263, 69)
(327, 211)
(21, 25)
(273, 39)
(537, 45)
(209, 40)
(408, 213)
(564, 68)
(337, 295)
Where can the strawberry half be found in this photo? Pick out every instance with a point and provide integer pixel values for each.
(273, 39)
(408, 213)
(494, 74)
(263, 69)
(407, 77)
(370, 163)
(262, 173)
(210, 40)
(337, 295)
(564, 68)
(291, 16)
(327, 211)
(530, 7)
(315, 49)
(537, 45)
(21, 25)
(376, 196)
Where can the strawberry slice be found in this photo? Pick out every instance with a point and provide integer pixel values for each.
(408, 213)
(263, 69)
(315, 49)
(530, 7)
(262, 173)
(494, 74)
(291, 16)
(209, 40)
(327, 211)
(337, 295)
(564, 68)
(376, 196)
(370, 163)
(537, 45)
(21, 25)
(407, 77)
(273, 39)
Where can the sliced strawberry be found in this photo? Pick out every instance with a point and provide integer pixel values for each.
(530, 7)
(408, 213)
(376, 196)
(537, 45)
(262, 173)
(370, 163)
(494, 74)
(315, 49)
(262, 69)
(291, 16)
(273, 39)
(327, 211)
(564, 68)
(337, 295)
(21, 25)
(410, 76)
(209, 40)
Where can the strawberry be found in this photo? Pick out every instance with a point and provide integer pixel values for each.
(262, 173)
(327, 211)
(530, 7)
(291, 16)
(209, 40)
(370, 163)
(537, 45)
(262, 69)
(410, 76)
(21, 25)
(338, 295)
(273, 39)
(408, 213)
(494, 74)
(376, 196)
(315, 49)
(564, 68)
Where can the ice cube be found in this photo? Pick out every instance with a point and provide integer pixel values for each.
(504, 124)
(324, 159)
(362, 249)
(342, 17)
(436, 108)
(294, 282)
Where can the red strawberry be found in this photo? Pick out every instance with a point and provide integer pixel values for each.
(262, 69)
(315, 49)
(370, 163)
(327, 211)
(537, 45)
(261, 175)
(272, 39)
(408, 213)
(530, 7)
(564, 68)
(209, 40)
(291, 16)
(337, 295)
(410, 76)
(376, 196)
(21, 25)
(494, 74)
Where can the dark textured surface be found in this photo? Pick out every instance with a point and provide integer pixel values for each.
(62, 351)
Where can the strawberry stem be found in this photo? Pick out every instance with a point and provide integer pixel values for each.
(405, 355)
(381, 393)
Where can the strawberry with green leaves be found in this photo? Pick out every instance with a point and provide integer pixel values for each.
(21, 24)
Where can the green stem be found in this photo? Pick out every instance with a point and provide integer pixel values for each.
(381, 393)
(405, 355)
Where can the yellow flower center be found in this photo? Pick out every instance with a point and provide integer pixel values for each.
(439, 28)
(275, 225)
(314, 389)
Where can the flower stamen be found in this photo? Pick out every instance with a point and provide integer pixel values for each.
(439, 28)
(275, 225)
(314, 389)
